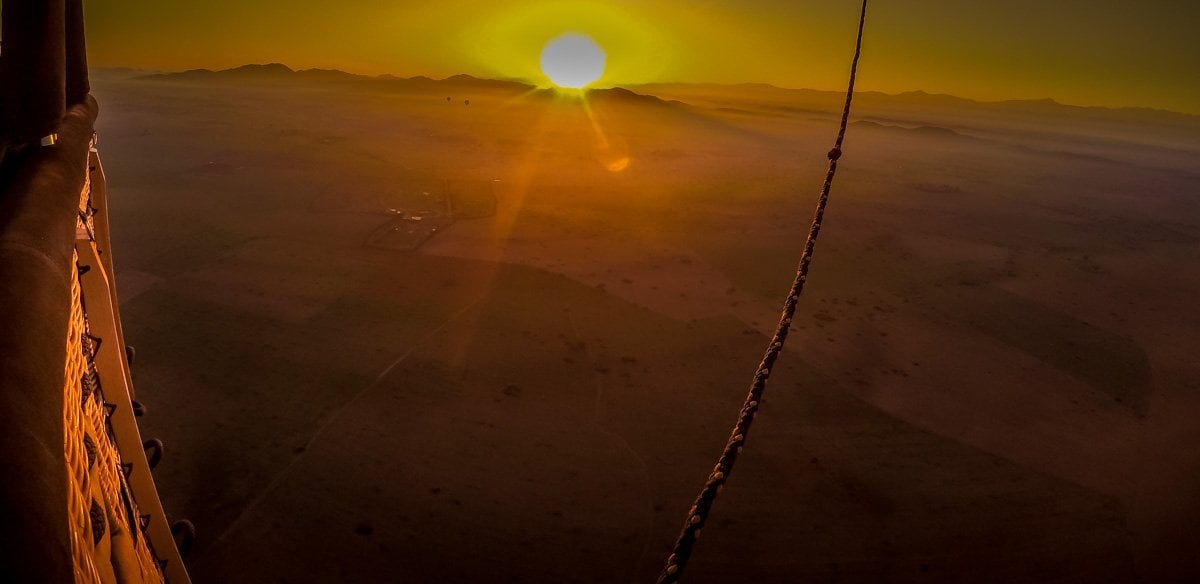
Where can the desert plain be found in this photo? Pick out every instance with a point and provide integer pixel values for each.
(993, 375)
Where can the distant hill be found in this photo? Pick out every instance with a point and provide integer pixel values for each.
(280, 73)
(264, 71)
(623, 95)
(798, 100)
(110, 73)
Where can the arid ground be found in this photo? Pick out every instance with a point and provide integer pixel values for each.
(994, 376)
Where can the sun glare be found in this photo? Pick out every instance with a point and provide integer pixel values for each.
(573, 60)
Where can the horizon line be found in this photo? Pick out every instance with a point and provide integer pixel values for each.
(531, 83)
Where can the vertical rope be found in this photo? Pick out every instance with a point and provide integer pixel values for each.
(698, 514)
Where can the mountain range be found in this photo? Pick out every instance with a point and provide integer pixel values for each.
(783, 100)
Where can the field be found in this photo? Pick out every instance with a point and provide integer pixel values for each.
(993, 376)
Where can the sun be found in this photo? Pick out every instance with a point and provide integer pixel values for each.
(573, 60)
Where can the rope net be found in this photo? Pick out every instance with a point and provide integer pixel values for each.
(106, 526)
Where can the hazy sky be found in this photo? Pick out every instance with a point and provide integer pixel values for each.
(1089, 52)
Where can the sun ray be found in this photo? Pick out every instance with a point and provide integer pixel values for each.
(612, 154)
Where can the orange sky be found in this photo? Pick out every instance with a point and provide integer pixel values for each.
(1099, 52)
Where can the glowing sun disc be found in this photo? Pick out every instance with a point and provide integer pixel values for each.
(573, 60)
